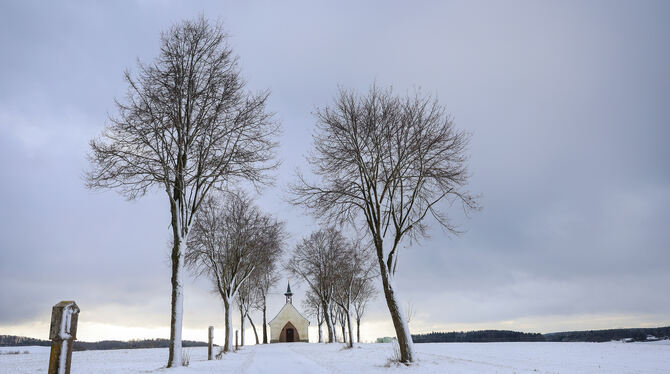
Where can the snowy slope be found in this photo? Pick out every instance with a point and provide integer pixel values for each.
(612, 357)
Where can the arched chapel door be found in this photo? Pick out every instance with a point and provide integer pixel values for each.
(289, 334)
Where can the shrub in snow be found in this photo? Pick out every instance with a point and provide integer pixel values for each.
(396, 357)
(185, 357)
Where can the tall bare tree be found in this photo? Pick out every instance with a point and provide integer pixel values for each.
(312, 306)
(384, 162)
(227, 243)
(315, 261)
(187, 126)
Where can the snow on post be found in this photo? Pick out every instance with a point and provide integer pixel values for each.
(63, 333)
(210, 338)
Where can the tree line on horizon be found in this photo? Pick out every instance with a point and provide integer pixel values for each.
(592, 336)
(596, 336)
(22, 341)
(480, 336)
(476, 336)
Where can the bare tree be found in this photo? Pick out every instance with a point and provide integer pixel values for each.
(333, 317)
(245, 299)
(266, 278)
(341, 317)
(410, 312)
(384, 163)
(355, 264)
(312, 306)
(364, 291)
(187, 126)
(253, 326)
(227, 243)
(314, 261)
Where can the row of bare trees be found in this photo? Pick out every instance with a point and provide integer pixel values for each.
(238, 248)
(187, 126)
(339, 274)
(365, 292)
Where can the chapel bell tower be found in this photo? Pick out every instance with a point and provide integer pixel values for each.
(289, 294)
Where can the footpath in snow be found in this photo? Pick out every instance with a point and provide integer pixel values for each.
(611, 358)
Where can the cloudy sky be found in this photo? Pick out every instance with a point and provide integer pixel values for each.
(568, 103)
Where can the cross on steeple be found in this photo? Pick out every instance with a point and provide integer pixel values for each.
(289, 294)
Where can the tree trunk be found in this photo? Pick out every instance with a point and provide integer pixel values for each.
(265, 326)
(241, 327)
(344, 332)
(351, 334)
(177, 300)
(329, 322)
(253, 327)
(321, 332)
(399, 322)
(358, 330)
(228, 344)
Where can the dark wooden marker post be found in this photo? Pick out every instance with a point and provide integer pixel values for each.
(63, 333)
(210, 338)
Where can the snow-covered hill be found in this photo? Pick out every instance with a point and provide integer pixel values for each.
(614, 357)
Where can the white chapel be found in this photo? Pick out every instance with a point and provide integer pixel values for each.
(289, 325)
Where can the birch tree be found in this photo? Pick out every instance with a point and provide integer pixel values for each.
(227, 241)
(385, 163)
(186, 126)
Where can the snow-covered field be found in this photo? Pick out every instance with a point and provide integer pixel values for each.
(614, 357)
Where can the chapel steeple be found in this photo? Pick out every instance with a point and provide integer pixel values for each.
(289, 294)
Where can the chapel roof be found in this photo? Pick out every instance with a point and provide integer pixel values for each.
(291, 310)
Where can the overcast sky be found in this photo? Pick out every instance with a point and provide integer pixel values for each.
(568, 103)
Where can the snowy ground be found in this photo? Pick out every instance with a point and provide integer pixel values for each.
(611, 357)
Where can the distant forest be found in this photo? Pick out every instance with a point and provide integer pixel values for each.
(484, 336)
(20, 341)
(488, 336)
(608, 335)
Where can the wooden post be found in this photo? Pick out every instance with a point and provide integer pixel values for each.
(63, 333)
(210, 338)
(236, 339)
